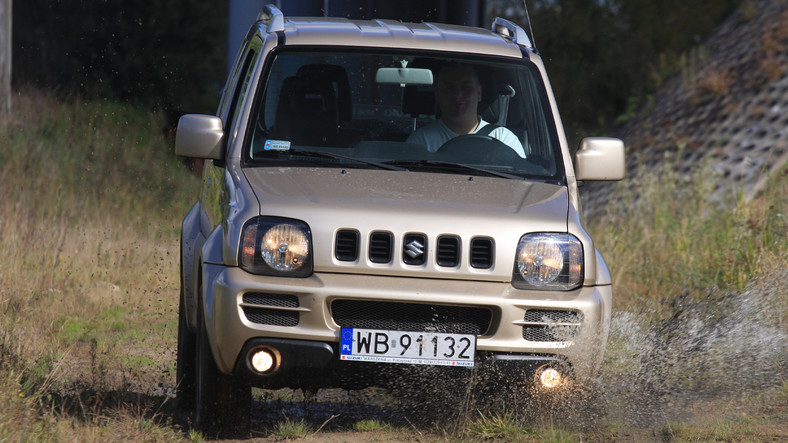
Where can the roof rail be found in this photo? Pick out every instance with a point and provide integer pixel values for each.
(273, 18)
(507, 29)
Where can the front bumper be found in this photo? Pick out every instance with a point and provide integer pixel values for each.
(242, 307)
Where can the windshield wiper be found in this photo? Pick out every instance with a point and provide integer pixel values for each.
(308, 152)
(453, 166)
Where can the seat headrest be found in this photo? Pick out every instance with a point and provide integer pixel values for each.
(332, 76)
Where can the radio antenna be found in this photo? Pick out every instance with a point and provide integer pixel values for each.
(530, 28)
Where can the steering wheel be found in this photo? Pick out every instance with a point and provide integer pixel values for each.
(479, 149)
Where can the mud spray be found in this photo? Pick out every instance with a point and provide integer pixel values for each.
(720, 347)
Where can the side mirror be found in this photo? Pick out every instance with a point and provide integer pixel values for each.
(600, 158)
(200, 136)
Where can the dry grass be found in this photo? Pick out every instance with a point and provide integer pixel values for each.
(716, 83)
(773, 42)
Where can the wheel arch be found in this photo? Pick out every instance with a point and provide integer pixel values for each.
(192, 240)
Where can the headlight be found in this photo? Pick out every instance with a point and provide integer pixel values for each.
(548, 261)
(276, 246)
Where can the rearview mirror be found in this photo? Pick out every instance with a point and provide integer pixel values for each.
(404, 76)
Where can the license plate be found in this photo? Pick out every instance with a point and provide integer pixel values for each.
(419, 348)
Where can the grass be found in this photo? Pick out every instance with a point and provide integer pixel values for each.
(665, 236)
(369, 425)
(292, 429)
(495, 426)
(90, 207)
(88, 233)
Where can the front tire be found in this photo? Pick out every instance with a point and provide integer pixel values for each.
(221, 402)
(185, 378)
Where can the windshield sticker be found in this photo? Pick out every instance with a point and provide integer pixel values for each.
(277, 145)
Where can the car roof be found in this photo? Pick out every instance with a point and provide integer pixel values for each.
(394, 34)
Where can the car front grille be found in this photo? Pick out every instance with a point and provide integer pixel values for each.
(414, 249)
(448, 253)
(551, 325)
(346, 248)
(482, 253)
(415, 317)
(380, 247)
(261, 308)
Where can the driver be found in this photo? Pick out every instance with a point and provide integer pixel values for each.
(458, 93)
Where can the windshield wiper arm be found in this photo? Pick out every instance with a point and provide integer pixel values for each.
(344, 157)
(460, 166)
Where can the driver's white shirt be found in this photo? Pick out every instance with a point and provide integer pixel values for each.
(434, 135)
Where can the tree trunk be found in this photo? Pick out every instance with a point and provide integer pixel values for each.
(5, 56)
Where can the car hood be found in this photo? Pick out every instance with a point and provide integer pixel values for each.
(400, 203)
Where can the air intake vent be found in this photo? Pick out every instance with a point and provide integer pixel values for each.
(482, 252)
(271, 317)
(346, 246)
(380, 247)
(551, 325)
(279, 300)
(553, 316)
(411, 317)
(448, 252)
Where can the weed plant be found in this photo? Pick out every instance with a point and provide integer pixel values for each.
(369, 425)
(292, 429)
(496, 426)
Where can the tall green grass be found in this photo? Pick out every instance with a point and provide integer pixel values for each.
(90, 199)
(662, 235)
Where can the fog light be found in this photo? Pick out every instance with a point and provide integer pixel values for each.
(550, 378)
(262, 361)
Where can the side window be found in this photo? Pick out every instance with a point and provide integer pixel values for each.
(229, 86)
(242, 81)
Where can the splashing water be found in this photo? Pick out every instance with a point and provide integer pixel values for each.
(724, 345)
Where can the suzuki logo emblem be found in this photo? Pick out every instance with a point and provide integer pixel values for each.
(414, 249)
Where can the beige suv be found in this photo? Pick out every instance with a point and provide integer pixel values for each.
(378, 195)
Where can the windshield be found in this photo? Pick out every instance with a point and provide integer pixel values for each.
(400, 111)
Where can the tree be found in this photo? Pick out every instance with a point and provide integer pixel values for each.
(166, 54)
